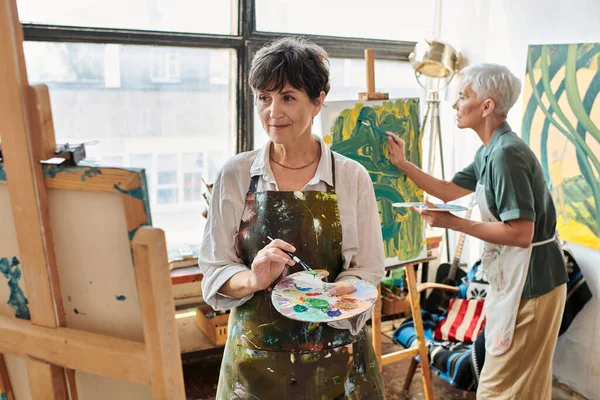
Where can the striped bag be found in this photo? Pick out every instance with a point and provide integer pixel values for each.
(463, 322)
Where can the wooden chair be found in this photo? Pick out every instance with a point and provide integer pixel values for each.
(421, 288)
(87, 312)
(466, 356)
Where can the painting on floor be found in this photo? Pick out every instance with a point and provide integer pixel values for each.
(343, 129)
(561, 123)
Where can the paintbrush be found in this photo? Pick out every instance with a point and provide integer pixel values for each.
(294, 257)
(368, 123)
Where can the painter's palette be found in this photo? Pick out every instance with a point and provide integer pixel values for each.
(304, 296)
(433, 207)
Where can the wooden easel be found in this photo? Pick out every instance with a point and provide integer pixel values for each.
(371, 94)
(51, 350)
(415, 307)
(413, 295)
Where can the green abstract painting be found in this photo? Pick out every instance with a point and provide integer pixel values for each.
(342, 130)
(561, 120)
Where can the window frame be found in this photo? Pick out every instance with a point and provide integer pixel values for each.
(247, 41)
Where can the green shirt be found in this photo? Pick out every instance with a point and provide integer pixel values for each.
(515, 188)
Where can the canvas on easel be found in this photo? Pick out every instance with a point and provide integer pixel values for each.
(357, 130)
(94, 214)
(344, 131)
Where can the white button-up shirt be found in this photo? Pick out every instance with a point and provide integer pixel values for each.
(362, 243)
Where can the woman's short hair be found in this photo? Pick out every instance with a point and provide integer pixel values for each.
(297, 61)
(493, 81)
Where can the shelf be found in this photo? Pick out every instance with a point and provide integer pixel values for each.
(191, 338)
(186, 275)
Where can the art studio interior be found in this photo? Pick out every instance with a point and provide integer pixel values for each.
(266, 199)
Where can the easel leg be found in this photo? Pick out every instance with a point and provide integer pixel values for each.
(376, 327)
(158, 314)
(422, 346)
(29, 199)
(71, 384)
(46, 379)
(5, 387)
(411, 373)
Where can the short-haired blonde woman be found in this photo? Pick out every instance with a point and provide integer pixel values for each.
(522, 258)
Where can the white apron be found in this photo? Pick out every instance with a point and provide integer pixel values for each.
(506, 269)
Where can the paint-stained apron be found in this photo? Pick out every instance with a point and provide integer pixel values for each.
(269, 356)
(506, 269)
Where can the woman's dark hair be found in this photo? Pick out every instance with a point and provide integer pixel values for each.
(297, 61)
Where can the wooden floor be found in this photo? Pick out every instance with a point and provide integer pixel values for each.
(201, 369)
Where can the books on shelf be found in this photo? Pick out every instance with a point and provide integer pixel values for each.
(181, 257)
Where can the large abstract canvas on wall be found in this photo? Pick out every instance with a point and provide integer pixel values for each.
(402, 229)
(561, 123)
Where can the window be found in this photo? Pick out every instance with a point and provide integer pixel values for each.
(159, 84)
(65, 63)
(166, 185)
(193, 164)
(385, 19)
(112, 161)
(165, 66)
(200, 16)
(140, 123)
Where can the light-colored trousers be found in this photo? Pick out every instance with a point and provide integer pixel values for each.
(525, 370)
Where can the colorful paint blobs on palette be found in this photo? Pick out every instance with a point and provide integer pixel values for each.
(435, 206)
(301, 297)
(561, 124)
(17, 299)
(346, 303)
(402, 230)
(302, 289)
(317, 303)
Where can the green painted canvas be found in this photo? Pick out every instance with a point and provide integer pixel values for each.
(561, 120)
(346, 134)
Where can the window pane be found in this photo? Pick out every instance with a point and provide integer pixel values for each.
(195, 16)
(348, 78)
(142, 161)
(192, 161)
(385, 19)
(167, 162)
(193, 186)
(106, 93)
(167, 178)
(167, 196)
(112, 161)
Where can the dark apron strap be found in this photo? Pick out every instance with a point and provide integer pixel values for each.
(332, 188)
(253, 184)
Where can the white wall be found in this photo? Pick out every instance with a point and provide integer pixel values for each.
(500, 31)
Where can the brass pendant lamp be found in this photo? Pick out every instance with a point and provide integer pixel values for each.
(435, 64)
